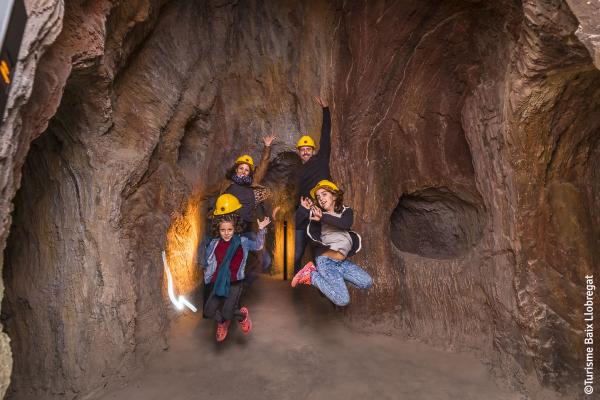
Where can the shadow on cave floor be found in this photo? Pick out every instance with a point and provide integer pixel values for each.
(300, 349)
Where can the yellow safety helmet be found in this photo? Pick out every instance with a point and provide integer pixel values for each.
(245, 159)
(305, 141)
(226, 203)
(323, 184)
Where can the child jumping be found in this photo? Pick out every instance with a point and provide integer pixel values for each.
(329, 223)
(226, 263)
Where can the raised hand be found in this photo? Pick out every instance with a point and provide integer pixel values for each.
(263, 224)
(316, 213)
(320, 101)
(267, 140)
(306, 202)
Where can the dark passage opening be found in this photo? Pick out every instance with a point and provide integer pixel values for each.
(436, 223)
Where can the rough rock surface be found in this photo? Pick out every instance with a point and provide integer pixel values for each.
(465, 135)
(588, 15)
(151, 113)
(490, 105)
(19, 127)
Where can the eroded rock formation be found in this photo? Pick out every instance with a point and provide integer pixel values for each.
(465, 134)
(496, 104)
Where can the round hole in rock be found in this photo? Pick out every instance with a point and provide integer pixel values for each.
(436, 223)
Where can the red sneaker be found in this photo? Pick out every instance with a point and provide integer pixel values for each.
(222, 330)
(303, 276)
(246, 324)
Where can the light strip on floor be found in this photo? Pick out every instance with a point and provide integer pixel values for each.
(178, 302)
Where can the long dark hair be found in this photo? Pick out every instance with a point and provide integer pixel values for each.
(234, 218)
(339, 199)
(231, 172)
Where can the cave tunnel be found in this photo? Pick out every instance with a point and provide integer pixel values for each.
(465, 137)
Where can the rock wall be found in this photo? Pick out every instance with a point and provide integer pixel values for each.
(24, 120)
(153, 111)
(432, 190)
(469, 133)
(555, 121)
(465, 135)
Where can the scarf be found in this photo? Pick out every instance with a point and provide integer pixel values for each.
(223, 281)
(245, 180)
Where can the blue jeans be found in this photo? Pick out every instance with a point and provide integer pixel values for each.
(331, 275)
(300, 241)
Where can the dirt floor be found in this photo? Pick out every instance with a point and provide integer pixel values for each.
(300, 349)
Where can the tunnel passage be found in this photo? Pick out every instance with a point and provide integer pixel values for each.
(436, 223)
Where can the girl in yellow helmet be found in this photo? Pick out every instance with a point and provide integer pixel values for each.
(329, 223)
(225, 273)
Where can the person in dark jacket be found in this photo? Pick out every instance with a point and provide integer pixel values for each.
(243, 180)
(314, 168)
(245, 186)
(329, 227)
(244, 183)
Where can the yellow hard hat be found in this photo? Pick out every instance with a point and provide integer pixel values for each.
(323, 184)
(245, 159)
(226, 203)
(305, 141)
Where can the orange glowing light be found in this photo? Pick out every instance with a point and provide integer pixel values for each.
(180, 302)
(278, 250)
(290, 248)
(5, 72)
(182, 245)
(280, 236)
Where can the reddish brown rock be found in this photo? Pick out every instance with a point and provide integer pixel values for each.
(44, 25)
(474, 117)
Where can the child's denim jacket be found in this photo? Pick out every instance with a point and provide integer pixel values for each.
(247, 245)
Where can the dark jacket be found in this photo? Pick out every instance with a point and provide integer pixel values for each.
(245, 194)
(316, 168)
(313, 228)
